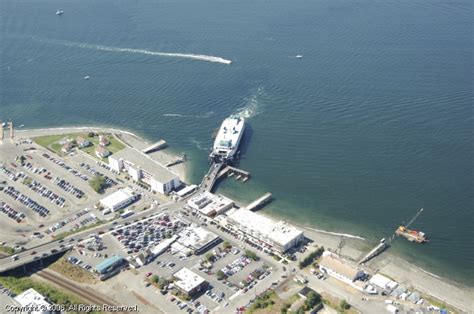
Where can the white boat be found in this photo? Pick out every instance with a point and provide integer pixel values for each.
(87, 77)
(228, 139)
(299, 56)
(59, 12)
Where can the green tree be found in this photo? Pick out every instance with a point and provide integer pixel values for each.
(209, 257)
(251, 255)
(344, 305)
(220, 275)
(98, 184)
(227, 245)
(311, 300)
(155, 279)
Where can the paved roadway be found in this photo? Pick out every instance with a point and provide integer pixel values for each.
(25, 257)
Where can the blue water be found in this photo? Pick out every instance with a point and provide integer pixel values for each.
(374, 122)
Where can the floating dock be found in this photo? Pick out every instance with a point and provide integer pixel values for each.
(260, 202)
(158, 145)
(229, 171)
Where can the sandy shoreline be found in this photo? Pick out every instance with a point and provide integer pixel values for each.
(454, 294)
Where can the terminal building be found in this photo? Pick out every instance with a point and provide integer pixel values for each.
(210, 204)
(142, 168)
(188, 282)
(118, 200)
(198, 240)
(334, 267)
(276, 235)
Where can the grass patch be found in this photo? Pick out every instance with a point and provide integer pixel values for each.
(266, 303)
(438, 303)
(114, 146)
(73, 272)
(62, 235)
(336, 303)
(47, 140)
(6, 249)
(20, 284)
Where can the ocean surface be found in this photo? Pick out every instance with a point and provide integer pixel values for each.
(373, 123)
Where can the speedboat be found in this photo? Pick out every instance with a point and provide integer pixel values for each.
(299, 56)
(59, 12)
(87, 77)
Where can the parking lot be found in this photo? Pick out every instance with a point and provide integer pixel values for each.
(45, 193)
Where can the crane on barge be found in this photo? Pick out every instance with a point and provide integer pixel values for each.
(410, 234)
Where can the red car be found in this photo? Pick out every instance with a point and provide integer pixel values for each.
(149, 274)
(33, 253)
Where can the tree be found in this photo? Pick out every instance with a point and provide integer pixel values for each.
(155, 279)
(251, 255)
(220, 275)
(311, 300)
(344, 305)
(98, 184)
(209, 257)
(227, 245)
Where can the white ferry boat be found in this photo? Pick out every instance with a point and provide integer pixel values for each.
(228, 139)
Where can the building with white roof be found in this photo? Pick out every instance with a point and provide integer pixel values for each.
(210, 204)
(197, 239)
(333, 266)
(278, 235)
(382, 282)
(33, 300)
(143, 168)
(118, 200)
(188, 282)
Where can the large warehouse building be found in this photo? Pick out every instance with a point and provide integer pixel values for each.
(118, 200)
(142, 168)
(278, 235)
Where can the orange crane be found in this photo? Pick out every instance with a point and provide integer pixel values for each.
(410, 234)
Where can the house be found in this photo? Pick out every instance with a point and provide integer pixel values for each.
(67, 147)
(82, 142)
(103, 141)
(101, 152)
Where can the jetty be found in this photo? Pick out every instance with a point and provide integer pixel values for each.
(157, 146)
(260, 202)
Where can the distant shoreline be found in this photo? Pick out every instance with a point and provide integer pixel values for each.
(444, 289)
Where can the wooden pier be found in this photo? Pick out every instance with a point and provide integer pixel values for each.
(260, 202)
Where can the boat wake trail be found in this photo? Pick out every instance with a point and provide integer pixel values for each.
(178, 115)
(338, 234)
(198, 145)
(191, 56)
(252, 105)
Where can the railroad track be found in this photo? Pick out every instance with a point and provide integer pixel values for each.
(86, 295)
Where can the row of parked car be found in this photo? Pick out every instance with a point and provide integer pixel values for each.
(108, 181)
(11, 213)
(75, 261)
(65, 166)
(25, 200)
(147, 233)
(68, 187)
(40, 189)
(236, 265)
(10, 174)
